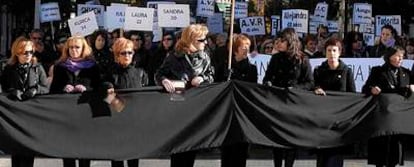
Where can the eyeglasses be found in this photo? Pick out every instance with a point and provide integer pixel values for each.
(202, 40)
(268, 47)
(127, 53)
(28, 52)
(74, 47)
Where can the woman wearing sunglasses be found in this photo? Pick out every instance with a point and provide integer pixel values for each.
(23, 78)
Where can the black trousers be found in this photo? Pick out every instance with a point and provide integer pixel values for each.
(185, 159)
(281, 153)
(328, 158)
(234, 155)
(22, 161)
(131, 163)
(72, 162)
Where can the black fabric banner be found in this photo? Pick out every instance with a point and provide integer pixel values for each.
(151, 125)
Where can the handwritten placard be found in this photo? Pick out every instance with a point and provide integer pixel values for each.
(173, 15)
(295, 18)
(205, 8)
(83, 25)
(140, 19)
(98, 9)
(49, 12)
(253, 26)
(362, 13)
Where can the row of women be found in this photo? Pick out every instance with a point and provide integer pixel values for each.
(76, 71)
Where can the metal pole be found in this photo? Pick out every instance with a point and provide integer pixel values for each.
(233, 4)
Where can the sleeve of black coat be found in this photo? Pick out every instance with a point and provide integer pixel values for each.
(350, 82)
(306, 80)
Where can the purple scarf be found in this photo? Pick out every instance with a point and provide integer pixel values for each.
(74, 66)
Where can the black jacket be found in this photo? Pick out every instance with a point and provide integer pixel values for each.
(36, 78)
(244, 71)
(384, 77)
(283, 71)
(180, 66)
(340, 79)
(128, 77)
(89, 77)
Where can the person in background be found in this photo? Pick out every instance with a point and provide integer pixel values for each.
(310, 47)
(122, 75)
(142, 55)
(409, 48)
(219, 59)
(267, 47)
(23, 78)
(242, 69)
(288, 68)
(322, 36)
(101, 51)
(391, 77)
(191, 64)
(388, 39)
(355, 45)
(332, 75)
(166, 46)
(44, 53)
(148, 44)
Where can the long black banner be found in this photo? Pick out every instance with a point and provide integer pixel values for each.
(151, 125)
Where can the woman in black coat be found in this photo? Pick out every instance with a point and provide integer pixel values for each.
(288, 68)
(334, 75)
(166, 46)
(391, 77)
(22, 79)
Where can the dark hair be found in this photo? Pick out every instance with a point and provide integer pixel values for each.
(391, 28)
(391, 51)
(104, 35)
(333, 42)
(350, 38)
(293, 43)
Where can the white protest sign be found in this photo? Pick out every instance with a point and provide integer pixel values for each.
(321, 12)
(49, 12)
(295, 18)
(119, 4)
(253, 25)
(275, 25)
(367, 28)
(261, 61)
(362, 13)
(382, 20)
(115, 17)
(98, 9)
(140, 19)
(205, 8)
(154, 4)
(215, 23)
(157, 32)
(240, 10)
(333, 26)
(313, 25)
(369, 39)
(173, 15)
(83, 25)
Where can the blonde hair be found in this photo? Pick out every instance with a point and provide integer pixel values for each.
(119, 44)
(189, 34)
(18, 48)
(86, 49)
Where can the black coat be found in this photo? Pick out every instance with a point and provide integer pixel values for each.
(128, 77)
(88, 77)
(36, 78)
(340, 79)
(180, 66)
(283, 71)
(244, 71)
(383, 77)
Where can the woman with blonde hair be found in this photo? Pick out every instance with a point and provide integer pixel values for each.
(191, 64)
(23, 78)
(76, 70)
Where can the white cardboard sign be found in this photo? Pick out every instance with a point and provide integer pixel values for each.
(115, 17)
(98, 9)
(295, 18)
(240, 10)
(83, 25)
(49, 12)
(382, 20)
(362, 13)
(173, 15)
(253, 25)
(205, 8)
(321, 12)
(140, 19)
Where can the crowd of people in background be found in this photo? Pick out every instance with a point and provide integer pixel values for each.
(119, 60)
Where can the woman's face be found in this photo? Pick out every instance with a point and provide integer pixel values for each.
(26, 55)
(136, 39)
(282, 45)
(268, 48)
(332, 53)
(75, 49)
(167, 41)
(357, 44)
(397, 58)
(200, 43)
(385, 35)
(125, 56)
(99, 42)
(243, 50)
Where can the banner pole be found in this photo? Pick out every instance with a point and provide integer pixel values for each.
(233, 4)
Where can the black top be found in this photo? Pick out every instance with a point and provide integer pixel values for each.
(24, 77)
(284, 71)
(340, 79)
(126, 77)
(243, 70)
